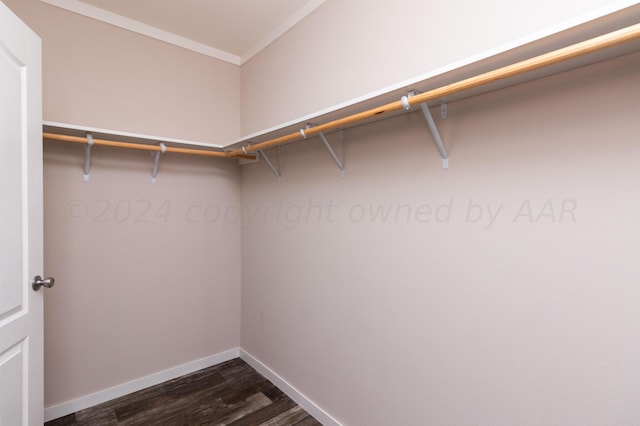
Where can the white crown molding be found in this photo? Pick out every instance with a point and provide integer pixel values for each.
(120, 21)
(277, 32)
(102, 15)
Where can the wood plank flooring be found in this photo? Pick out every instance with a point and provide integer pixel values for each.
(231, 393)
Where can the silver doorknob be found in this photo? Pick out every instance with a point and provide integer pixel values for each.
(39, 282)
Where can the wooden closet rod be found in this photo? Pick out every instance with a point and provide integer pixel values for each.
(81, 139)
(556, 56)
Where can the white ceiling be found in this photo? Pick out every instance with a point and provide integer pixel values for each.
(231, 30)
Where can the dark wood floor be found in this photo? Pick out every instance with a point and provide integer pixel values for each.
(231, 393)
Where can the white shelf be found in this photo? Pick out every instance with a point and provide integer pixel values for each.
(552, 39)
(620, 15)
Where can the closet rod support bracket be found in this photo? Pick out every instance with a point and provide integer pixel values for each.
(339, 162)
(274, 169)
(156, 162)
(87, 157)
(432, 124)
(436, 134)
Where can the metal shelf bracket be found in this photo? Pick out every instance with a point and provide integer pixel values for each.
(276, 170)
(339, 162)
(432, 125)
(156, 162)
(87, 157)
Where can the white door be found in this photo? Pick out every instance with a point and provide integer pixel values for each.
(21, 310)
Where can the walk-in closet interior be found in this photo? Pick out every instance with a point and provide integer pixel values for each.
(409, 212)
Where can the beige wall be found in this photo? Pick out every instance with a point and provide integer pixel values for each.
(98, 75)
(351, 48)
(147, 276)
(501, 291)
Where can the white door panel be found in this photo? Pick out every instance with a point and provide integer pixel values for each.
(11, 231)
(21, 310)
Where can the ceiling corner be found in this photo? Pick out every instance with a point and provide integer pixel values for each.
(281, 29)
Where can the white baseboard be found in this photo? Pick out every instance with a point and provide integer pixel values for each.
(105, 395)
(310, 407)
(66, 408)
